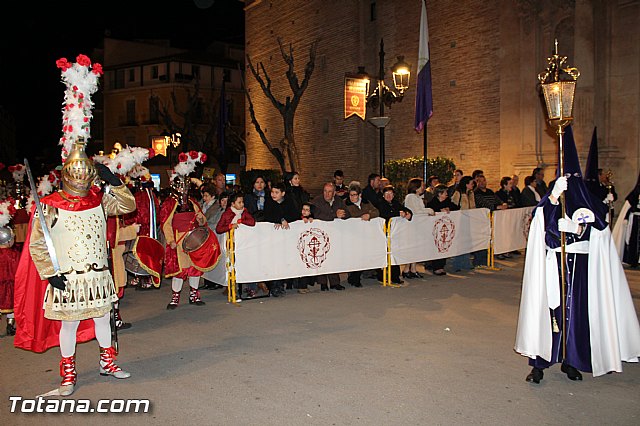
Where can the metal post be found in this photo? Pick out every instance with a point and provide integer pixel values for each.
(381, 90)
(563, 242)
(424, 151)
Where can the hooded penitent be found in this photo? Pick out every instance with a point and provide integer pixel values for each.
(601, 323)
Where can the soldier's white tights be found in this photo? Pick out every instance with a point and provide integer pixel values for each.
(69, 329)
(176, 283)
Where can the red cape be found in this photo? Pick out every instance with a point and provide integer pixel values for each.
(35, 332)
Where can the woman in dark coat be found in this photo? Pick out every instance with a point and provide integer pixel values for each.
(441, 203)
(295, 191)
(390, 207)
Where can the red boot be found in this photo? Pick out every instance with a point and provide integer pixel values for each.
(194, 297)
(107, 365)
(175, 299)
(68, 374)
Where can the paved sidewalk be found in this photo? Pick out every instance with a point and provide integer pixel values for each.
(437, 351)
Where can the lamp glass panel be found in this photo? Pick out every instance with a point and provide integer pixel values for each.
(366, 82)
(568, 92)
(553, 100)
(401, 79)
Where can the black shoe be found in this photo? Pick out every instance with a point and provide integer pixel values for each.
(324, 287)
(535, 376)
(358, 284)
(571, 372)
(144, 287)
(417, 275)
(407, 275)
(338, 287)
(121, 325)
(171, 306)
(11, 327)
(397, 281)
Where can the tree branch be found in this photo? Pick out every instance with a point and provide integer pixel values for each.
(290, 73)
(308, 70)
(274, 151)
(266, 88)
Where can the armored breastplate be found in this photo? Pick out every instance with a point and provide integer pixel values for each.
(80, 240)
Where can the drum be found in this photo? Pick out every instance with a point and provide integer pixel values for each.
(202, 247)
(143, 257)
(131, 263)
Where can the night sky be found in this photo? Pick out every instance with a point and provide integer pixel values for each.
(31, 40)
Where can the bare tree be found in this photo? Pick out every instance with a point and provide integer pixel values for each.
(197, 122)
(286, 152)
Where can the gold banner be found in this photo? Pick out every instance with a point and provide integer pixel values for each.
(355, 95)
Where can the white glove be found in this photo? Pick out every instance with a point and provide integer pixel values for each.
(567, 225)
(609, 198)
(559, 187)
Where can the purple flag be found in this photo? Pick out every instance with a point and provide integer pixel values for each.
(424, 100)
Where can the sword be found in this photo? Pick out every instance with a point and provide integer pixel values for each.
(43, 222)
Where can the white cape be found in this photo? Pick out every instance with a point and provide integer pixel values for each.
(613, 322)
(620, 230)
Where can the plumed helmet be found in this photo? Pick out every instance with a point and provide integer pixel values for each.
(81, 81)
(78, 172)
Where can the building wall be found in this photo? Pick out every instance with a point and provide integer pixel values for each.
(485, 58)
(173, 82)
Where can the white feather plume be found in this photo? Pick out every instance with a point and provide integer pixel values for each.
(5, 215)
(81, 82)
(186, 167)
(47, 183)
(125, 160)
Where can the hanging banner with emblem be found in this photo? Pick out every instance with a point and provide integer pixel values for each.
(355, 97)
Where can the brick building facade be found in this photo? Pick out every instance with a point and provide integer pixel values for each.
(485, 57)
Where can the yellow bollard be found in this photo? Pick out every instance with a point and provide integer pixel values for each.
(490, 251)
(231, 269)
(386, 272)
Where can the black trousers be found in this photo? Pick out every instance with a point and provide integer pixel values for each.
(395, 273)
(332, 279)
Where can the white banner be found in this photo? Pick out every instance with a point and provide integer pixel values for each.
(263, 253)
(511, 229)
(219, 274)
(440, 236)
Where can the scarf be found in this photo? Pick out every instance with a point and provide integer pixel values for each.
(238, 214)
(260, 195)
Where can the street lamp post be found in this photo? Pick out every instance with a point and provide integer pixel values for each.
(558, 88)
(384, 95)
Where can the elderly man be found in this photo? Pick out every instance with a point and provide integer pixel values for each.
(328, 207)
(541, 186)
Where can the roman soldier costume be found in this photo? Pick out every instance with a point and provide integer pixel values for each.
(67, 242)
(180, 214)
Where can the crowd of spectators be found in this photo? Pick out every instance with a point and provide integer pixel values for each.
(281, 203)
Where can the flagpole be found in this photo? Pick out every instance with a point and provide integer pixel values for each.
(424, 151)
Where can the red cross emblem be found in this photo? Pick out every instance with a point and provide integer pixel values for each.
(313, 246)
(444, 230)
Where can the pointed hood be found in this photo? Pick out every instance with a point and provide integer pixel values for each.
(591, 172)
(634, 195)
(577, 195)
